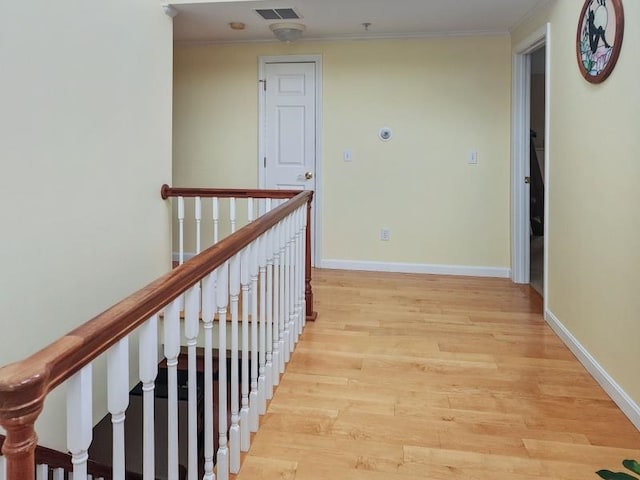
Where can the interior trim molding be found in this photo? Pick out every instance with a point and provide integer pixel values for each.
(391, 267)
(459, 270)
(630, 408)
(357, 37)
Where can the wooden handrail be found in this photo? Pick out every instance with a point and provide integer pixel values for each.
(25, 384)
(166, 191)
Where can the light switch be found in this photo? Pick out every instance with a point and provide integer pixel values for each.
(346, 155)
(473, 158)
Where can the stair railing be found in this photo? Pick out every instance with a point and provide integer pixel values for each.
(207, 230)
(265, 265)
(57, 465)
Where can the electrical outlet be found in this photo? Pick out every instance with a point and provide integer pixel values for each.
(385, 234)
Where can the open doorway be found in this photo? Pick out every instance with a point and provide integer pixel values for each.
(530, 161)
(536, 169)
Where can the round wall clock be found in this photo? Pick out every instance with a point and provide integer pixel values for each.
(599, 39)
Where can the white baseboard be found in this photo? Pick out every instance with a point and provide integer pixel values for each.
(617, 394)
(461, 270)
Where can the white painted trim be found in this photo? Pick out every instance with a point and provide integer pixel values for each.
(356, 37)
(630, 408)
(520, 144)
(460, 270)
(542, 4)
(547, 166)
(317, 198)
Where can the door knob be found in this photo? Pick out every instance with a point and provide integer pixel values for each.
(308, 175)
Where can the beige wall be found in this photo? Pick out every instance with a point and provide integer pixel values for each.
(441, 97)
(85, 139)
(594, 229)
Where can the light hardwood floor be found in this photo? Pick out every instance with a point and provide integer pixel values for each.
(432, 377)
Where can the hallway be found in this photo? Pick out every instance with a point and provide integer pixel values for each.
(413, 376)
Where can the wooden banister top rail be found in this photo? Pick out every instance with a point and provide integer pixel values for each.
(168, 191)
(25, 384)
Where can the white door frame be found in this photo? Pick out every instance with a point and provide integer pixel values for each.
(317, 197)
(520, 145)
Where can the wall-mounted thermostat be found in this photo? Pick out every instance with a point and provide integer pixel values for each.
(385, 134)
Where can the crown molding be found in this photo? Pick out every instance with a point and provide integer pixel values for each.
(355, 37)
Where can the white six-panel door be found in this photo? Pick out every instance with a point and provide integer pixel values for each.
(290, 122)
(290, 126)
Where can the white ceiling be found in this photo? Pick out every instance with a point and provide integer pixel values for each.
(208, 21)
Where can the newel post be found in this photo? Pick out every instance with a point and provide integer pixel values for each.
(308, 291)
(21, 400)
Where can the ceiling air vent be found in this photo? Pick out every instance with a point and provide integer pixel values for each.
(278, 13)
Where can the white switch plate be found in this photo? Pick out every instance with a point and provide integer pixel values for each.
(385, 234)
(347, 155)
(473, 158)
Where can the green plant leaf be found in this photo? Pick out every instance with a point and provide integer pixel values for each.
(609, 475)
(632, 465)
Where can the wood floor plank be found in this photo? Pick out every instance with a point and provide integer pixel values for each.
(433, 377)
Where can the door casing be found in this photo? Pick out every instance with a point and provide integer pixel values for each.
(520, 124)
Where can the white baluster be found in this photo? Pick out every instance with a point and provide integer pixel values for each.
(222, 296)
(42, 472)
(268, 392)
(208, 310)
(295, 276)
(171, 352)
(245, 437)
(80, 420)
(275, 252)
(282, 342)
(216, 219)
(287, 290)
(303, 263)
(292, 282)
(300, 241)
(250, 207)
(148, 353)
(262, 263)
(181, 229)
(232, 214)
(268, 238)
(191, 330)
(253, 396)
(234, 430)
(118, 400)
(198, 207)
(58, 474)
